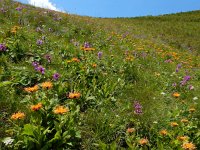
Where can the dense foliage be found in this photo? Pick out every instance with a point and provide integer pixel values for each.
(71, 82)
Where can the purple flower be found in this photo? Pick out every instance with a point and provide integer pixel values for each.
(3, 47)
(56, 76)
(35, 64)
(174, 84)
(39, 42)
(138, 108)
(19, 8)
(38, 29)
(86, 45)
(100, 55)
(187, 78)
(48, 57)
(178, 67)
(41, 69)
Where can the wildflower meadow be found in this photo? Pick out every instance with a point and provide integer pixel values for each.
(77, 82)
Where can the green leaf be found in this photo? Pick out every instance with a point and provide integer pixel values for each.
(4, 83)
(28, 130)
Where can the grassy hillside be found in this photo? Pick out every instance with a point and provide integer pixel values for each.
(72, 82)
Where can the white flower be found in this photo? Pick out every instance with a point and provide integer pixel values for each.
(162, 93)
(195, 98)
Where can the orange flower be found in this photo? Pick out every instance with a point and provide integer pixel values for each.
(191, 110)
(176, 95)
(47, 85)
(94, 65)
(74, 95)
(130, 130)
(189, 146)
(184, 121)
(75, 60)
(174, 124)
(17, 116)
(61, 110)
(31, 89)
(143, 141)
(88, 49)
(182, 138)
(36, 107)
(163, 132)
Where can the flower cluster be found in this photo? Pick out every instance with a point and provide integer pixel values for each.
(138, 108)
(3, 47)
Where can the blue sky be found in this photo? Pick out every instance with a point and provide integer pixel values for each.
(118, 8)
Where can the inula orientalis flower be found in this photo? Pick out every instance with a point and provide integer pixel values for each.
(143, 141)
(61, 110)
(74, 95)
(18, 115)
(188, 146)
(36, 107)
(47, 85)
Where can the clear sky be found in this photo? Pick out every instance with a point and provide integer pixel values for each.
(118, 8)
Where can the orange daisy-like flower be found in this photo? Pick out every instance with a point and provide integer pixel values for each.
(191, 110)
(47, 85)
(174, 124)
(163, 132)
(75, 60)
(32, 89)
(36, 107)
(182, 138)
(61, 110)
(130, 130)
(189, 146)
(176, 95)
(18, 115)
(184, 121)
(94, 65)
(74, 95)
(143, 141)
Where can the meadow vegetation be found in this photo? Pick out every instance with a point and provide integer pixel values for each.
(75, 82)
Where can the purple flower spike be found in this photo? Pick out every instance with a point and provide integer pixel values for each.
(187, 78)
(100, 55)
(3, 47)
(56, 76)
(35, 64)
(138, 108)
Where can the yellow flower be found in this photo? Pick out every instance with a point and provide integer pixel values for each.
(163, 132)
(182, 138)
(176, 95)
(188, 146)
(74, 95)
(17, 116)
(174, 124)
(31, 89)
(47, 85)
(61, 110)
(36, 107)
(184, 121)
(191, 110)
(143, 141)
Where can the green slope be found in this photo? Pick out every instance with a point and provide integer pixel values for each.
(107, 69)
